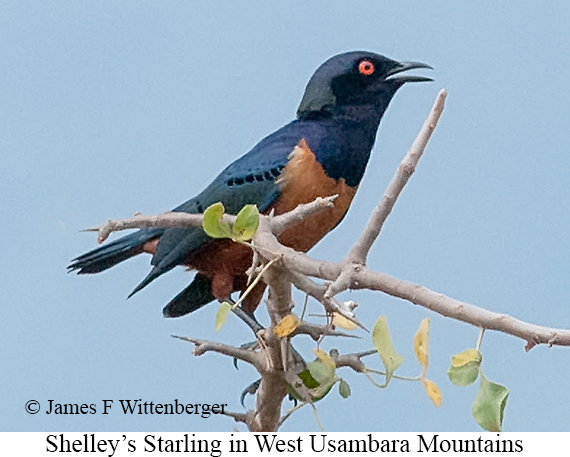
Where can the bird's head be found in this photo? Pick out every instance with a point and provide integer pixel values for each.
(355, 78)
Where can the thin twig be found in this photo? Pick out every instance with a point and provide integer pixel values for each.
(480, 339)
(288, 414)
(316, 331)
(168, 219)
(394, 376)
(282, 221)
(254, 283)
(319, 292)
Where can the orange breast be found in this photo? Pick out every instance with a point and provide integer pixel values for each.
(301, 181)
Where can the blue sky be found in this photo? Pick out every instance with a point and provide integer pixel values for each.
(112, 108)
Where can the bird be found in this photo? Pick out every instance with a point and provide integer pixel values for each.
(322, 152)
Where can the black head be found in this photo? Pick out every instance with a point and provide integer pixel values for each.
(355, 78)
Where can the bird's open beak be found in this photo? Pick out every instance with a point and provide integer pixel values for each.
(405, 66)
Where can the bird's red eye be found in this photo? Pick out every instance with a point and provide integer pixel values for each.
(366, 68)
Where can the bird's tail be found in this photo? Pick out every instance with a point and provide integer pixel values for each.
(113, 253)
(196, 295)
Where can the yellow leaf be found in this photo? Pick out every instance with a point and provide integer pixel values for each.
(325, 358)
(339, 320)
(432, 391)
(222, 315)
(287, 325)
(421, 343)
(463, 358)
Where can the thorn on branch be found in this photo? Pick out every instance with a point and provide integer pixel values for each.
(316, 331)
(240, 417)
(203, 346)
(318, 291)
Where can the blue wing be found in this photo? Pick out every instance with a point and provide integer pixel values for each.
(248, 180)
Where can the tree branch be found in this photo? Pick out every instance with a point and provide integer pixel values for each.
(319, 293)
(179, 219)
(351, 360)
(168, 219)
(273, 386)
(274, 358)
(282, 221)
(300, 263)
(240, 417)
(203, 346)
(360, 250)
(316, 331)
(461, 311)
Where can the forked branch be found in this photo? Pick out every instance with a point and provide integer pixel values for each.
(274, 358)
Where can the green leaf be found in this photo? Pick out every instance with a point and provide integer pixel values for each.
(316, 390)
(383, 344)
(344, 389)
(247, 221)
(489, 405)
(321, 372)
(212, 223)
(308, 379)
(301, 385)
(464, 375)
(222, 315)
(324, 375)
(293, 394)
(321, 392)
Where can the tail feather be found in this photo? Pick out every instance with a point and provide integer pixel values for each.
(196, 295)
(193, 297)
(154, 273)
(111, 254)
